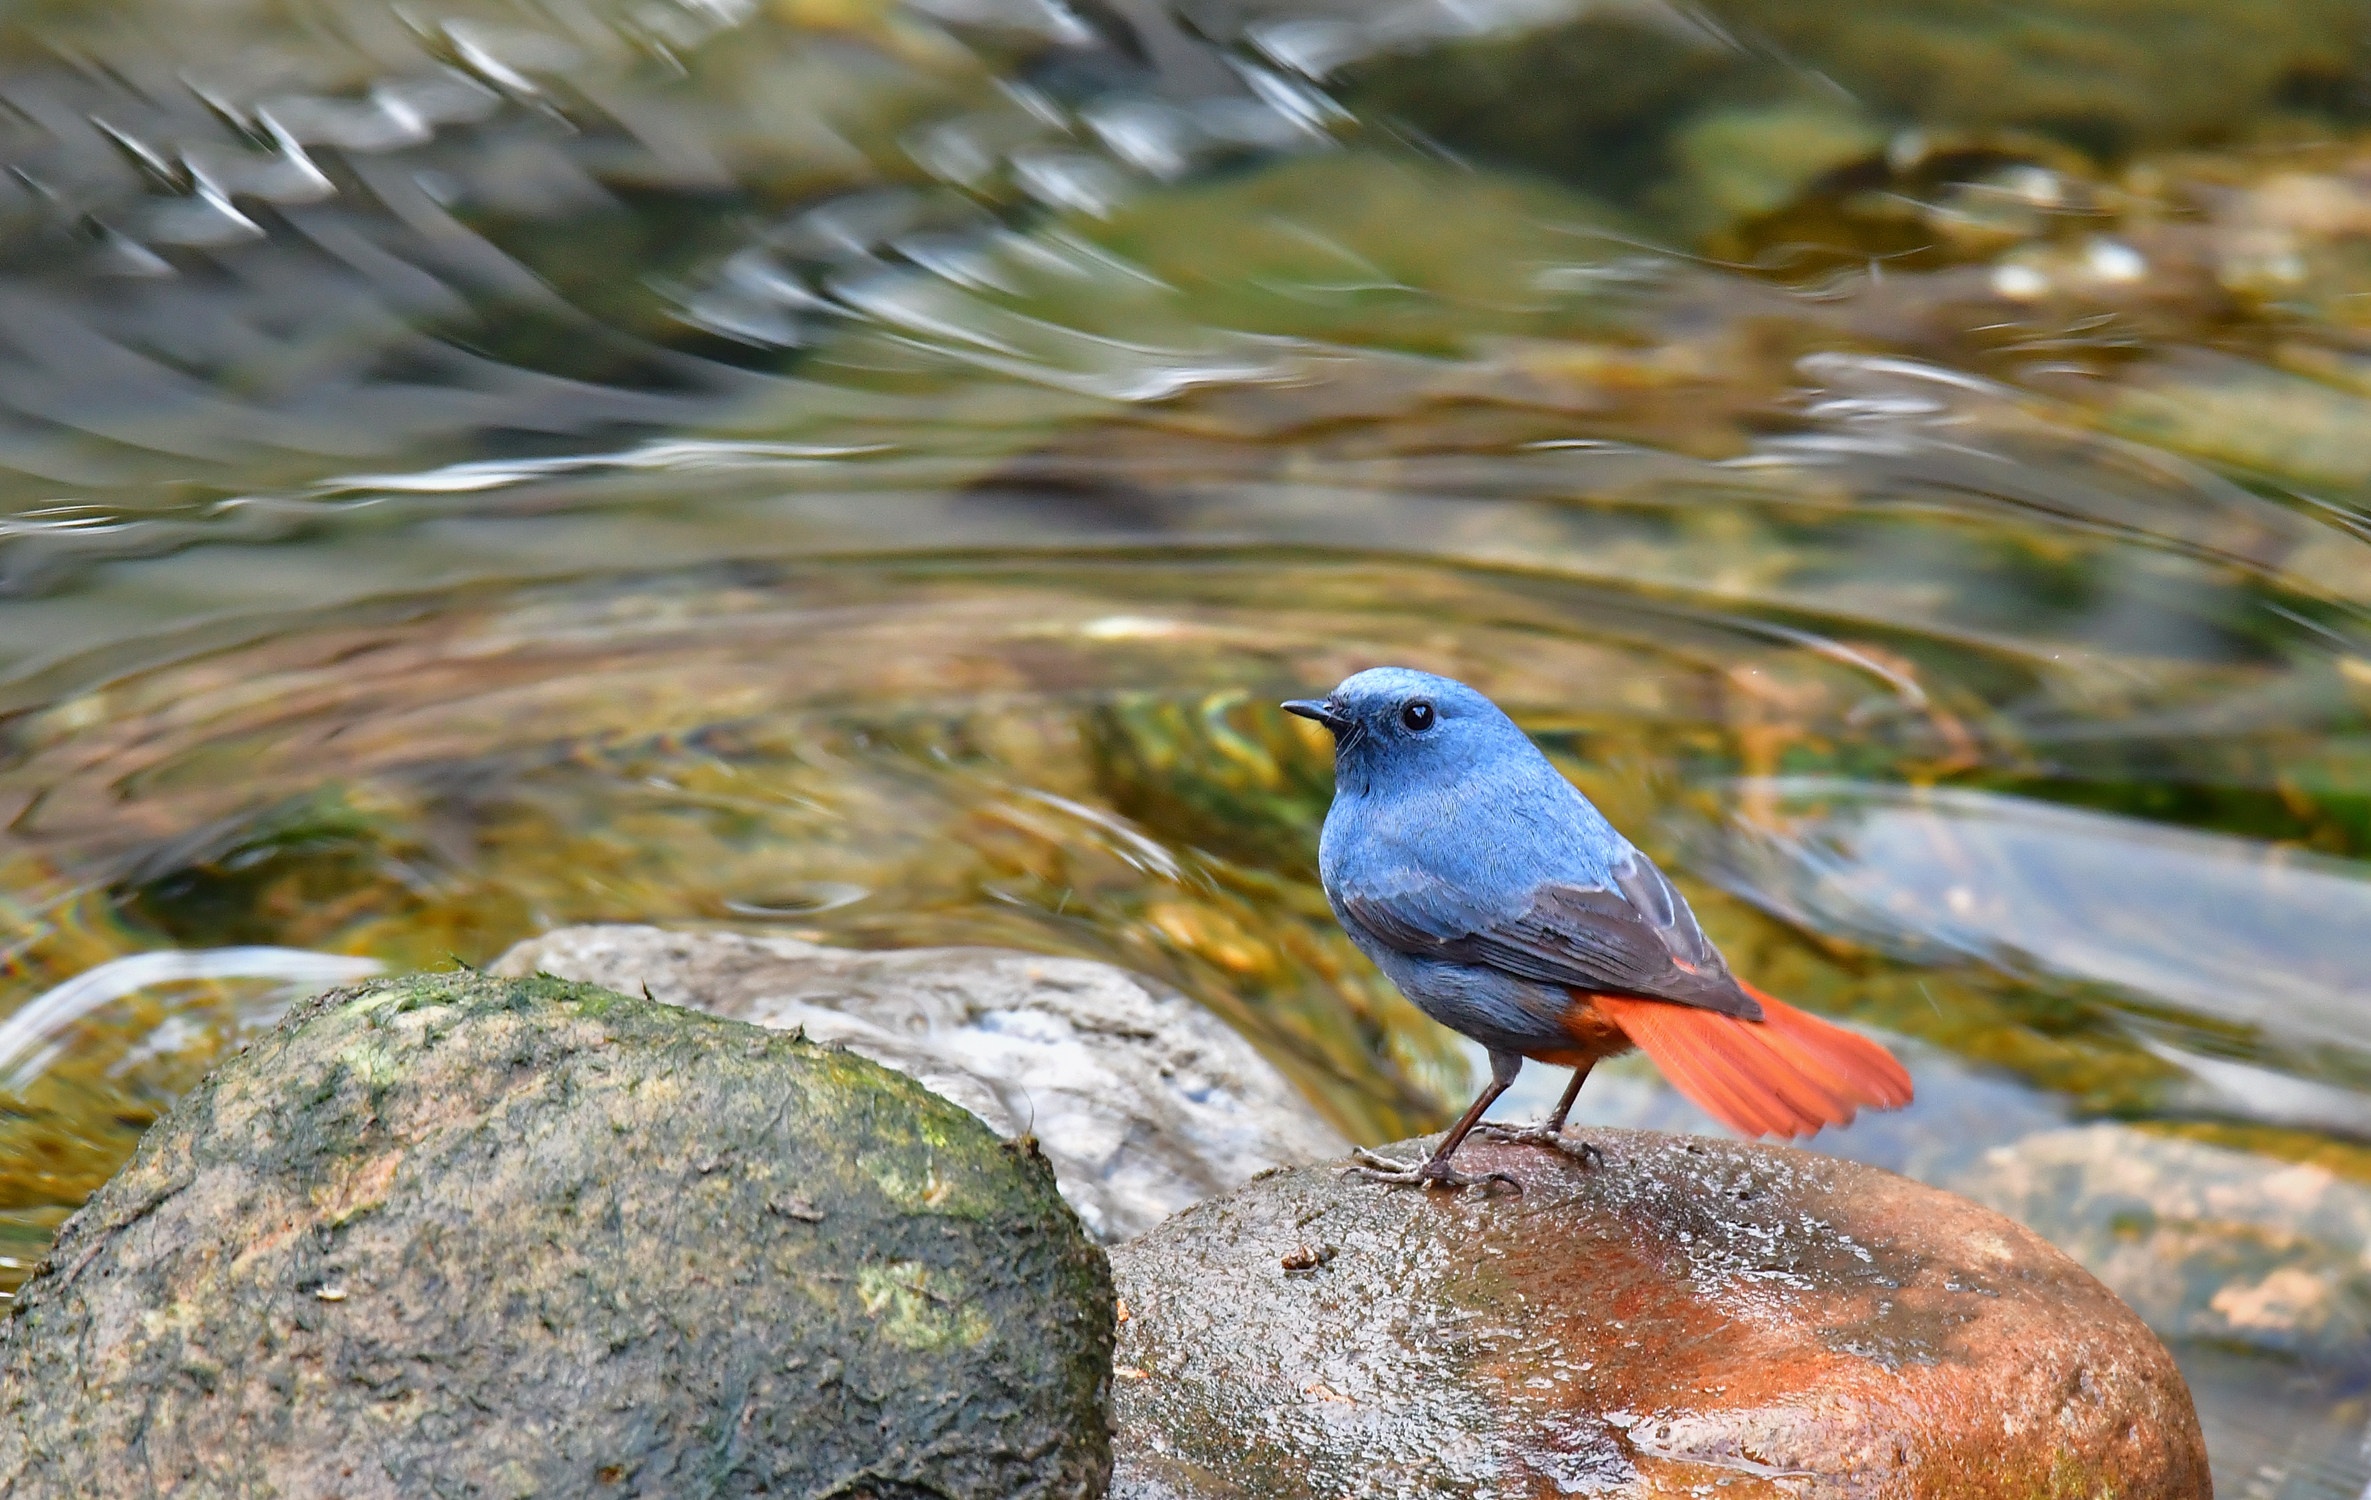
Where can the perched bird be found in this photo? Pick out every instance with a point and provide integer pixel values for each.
(1501, 901)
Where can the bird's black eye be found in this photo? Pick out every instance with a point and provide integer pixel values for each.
(1417, 716)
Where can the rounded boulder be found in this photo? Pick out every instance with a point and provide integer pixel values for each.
(457, 1235)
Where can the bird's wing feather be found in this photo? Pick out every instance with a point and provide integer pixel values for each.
(1633, 936)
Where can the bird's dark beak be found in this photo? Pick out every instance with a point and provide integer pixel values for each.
(1322, 711)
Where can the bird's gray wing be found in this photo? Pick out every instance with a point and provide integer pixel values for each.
(1631, 936)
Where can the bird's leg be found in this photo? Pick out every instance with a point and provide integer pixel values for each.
(1435, 1171)
(1550, 1132)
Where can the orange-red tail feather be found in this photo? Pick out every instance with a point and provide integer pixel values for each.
(1786, 1074)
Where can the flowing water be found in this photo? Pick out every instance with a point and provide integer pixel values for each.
(867, 471)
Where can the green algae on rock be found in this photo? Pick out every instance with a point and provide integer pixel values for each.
(1695, 1316)
(453, 1234)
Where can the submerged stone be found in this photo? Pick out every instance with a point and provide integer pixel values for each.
(1143, 1101)
(1695, 1316)
(1706, 121)
(2213, 1246)
(455, 1235)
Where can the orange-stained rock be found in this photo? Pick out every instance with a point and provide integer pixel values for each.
(1695, 1317)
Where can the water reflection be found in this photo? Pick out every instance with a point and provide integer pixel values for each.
(864, 468)
(33, 1036)
(2266, 939)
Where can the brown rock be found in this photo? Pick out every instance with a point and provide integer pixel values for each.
(1694, 1317)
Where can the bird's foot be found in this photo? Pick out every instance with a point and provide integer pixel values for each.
(1540, 1135)
(1433, 1172)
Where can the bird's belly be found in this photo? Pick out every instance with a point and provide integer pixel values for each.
(1503, 1013)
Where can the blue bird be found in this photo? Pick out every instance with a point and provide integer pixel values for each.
(1502, 902)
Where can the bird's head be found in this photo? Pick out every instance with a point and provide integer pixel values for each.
(1398, 725)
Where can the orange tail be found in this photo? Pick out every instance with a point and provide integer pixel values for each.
(1786, 1074)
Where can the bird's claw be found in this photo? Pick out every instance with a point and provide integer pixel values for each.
(1434, 1172)
(1540, 1135)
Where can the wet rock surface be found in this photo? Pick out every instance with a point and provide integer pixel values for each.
(1694, 1317)
(454, 1235)
(1143, 1101)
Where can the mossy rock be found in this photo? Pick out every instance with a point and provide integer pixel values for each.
(455, 1235)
